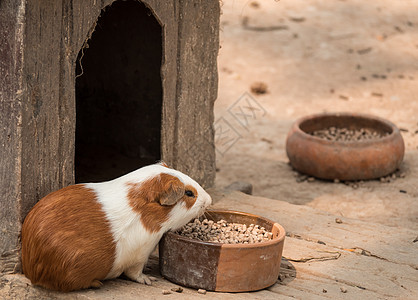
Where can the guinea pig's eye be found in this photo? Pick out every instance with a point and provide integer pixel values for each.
(189, 193)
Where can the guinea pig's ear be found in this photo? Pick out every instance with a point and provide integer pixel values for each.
(162, 163)
(172, 189)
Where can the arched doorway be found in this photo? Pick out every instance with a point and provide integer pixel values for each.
(119, 94)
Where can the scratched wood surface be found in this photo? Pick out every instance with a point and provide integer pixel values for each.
(322, 259)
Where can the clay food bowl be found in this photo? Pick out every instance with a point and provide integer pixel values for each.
(223, 267)
(345, 160)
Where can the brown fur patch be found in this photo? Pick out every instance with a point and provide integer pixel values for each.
(164, 164)
(67, 242)
(154, 199)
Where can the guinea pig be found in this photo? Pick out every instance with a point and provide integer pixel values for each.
(84, 233)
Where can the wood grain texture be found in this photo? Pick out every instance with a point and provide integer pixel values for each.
(41, 120)
(11, 95)
(197, 89)
(369, 260)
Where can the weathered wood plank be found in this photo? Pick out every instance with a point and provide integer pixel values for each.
(11, 95)
(197, 89)
(309, 270)
(40, 118)
(369, 260)
(326, 267)
(388, 243)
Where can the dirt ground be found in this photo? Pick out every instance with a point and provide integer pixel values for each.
(317, 56)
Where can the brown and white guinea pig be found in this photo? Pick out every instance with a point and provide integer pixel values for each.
(84, 233)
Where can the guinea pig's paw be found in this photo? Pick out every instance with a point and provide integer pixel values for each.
(96, 284)
(135, 274)
(144, 279)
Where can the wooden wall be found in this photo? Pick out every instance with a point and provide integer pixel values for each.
(11, 96)
(39, 44)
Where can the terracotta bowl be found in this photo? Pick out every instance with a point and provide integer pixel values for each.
(354, 160)
(223, 267)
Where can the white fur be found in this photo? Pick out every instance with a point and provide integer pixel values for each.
(133, 242)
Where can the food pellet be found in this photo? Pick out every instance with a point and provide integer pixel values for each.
(177, 290)
(201, 291)
(224, 232)
(348, 135)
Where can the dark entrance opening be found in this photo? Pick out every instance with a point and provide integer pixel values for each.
(119, 94)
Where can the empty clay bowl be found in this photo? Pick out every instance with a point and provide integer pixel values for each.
(223, 267)
(351, 160)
